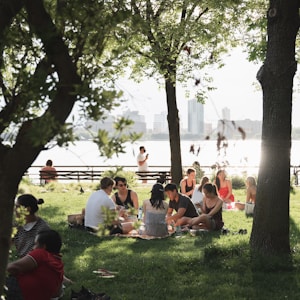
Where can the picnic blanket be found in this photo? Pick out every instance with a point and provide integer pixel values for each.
(136, 234)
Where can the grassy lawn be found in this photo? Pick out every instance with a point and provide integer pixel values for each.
(210, 266)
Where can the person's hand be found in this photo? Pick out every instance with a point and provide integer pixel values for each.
(169, 220)
(147, 155)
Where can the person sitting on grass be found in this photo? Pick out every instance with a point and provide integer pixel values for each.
(197, 197)
(26, 233)
(154, 210)
(250, 194)
(183, 205)
(125, 197)
(39, 274)
(188, 183)
(211, 217)
(99, 205)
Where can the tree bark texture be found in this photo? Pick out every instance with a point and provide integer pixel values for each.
(174, 131)
(270, 232)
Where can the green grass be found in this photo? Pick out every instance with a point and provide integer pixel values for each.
(210, 266)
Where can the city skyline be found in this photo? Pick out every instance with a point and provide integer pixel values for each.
(236, 88)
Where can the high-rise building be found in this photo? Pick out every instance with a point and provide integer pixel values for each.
(160, 123)
(195, 118)
(226, 114)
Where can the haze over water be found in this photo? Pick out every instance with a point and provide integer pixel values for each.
(86, 153)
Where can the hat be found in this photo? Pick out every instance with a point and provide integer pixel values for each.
(157, 187)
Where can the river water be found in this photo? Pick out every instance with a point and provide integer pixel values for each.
(85, 153)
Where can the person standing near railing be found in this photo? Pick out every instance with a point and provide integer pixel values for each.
(142, 162)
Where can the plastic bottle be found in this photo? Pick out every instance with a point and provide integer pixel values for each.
(140, 214)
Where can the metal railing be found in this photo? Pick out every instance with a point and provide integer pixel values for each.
(95, 173)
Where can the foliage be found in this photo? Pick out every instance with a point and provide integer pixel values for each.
(130, 177)
(199, 172)
(238, 182)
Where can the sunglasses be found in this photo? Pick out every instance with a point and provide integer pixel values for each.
(121, 185)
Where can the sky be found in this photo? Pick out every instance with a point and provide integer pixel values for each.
(236, 89)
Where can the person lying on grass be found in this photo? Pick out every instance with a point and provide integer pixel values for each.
(211, 217)
(183, 205)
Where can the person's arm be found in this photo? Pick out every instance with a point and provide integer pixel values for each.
(22, 265)
(169, 211)
(248, 196)
(141, 162)
(177, 216)
(183, 186)
(135, 199)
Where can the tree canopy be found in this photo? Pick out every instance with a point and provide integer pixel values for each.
(53, 54)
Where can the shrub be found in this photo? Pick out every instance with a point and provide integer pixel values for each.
(238, 182)
(130, 176)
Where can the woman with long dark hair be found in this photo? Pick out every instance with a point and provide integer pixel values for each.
(154, 210)
(211, 217)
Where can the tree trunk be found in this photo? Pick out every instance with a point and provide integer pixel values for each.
(174, 131)
(14, 163)
(270, 232)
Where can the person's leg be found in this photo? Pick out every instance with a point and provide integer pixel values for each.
(127, 227)
(183, 221)
(203, 221)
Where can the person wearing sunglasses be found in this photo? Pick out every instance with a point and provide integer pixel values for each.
(124, 197)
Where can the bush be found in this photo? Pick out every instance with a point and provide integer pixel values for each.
(238, 182)
(130, 176)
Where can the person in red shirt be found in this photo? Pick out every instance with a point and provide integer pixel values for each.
(40, 273)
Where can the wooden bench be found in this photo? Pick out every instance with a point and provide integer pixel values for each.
(89, 175)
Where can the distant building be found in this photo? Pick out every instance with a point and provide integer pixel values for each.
(139, 125)
(160, 123)
(107, 124)
(195, 118)
(230, 129)
(226, 113)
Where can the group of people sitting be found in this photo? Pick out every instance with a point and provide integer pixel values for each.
(38, 273)
(194, 206)
(223, 187)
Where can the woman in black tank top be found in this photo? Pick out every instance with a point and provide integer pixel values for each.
(124, 196)
(211, 218)
(187, 185)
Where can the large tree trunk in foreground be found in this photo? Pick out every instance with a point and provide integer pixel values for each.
(174, 132)
(16, 160)
(270, 233)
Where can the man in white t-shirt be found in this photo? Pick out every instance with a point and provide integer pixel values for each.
(142, 161)
(100, 199)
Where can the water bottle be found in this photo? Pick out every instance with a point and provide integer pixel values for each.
(178, 231)
(140, 214)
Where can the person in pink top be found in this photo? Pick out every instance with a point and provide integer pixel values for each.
(40, 273)
(224, 187)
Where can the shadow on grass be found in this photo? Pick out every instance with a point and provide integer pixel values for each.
(231, 266)
(212, 264)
